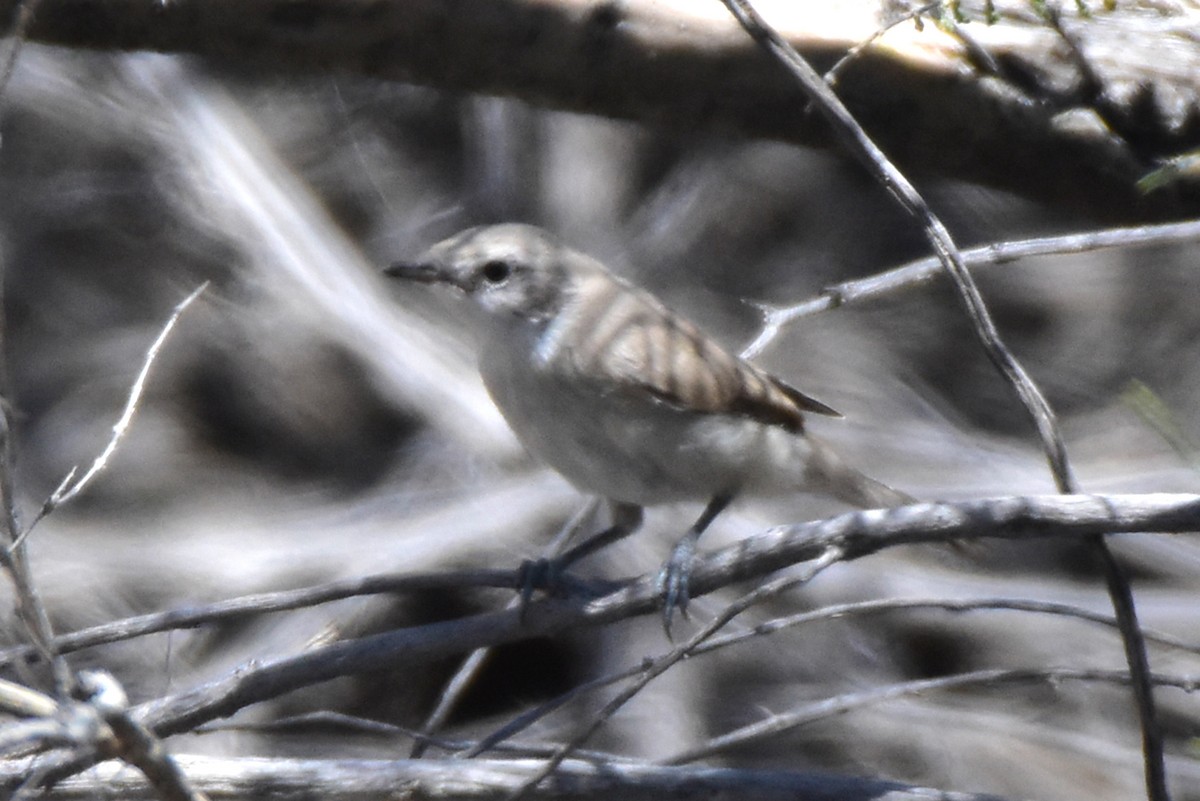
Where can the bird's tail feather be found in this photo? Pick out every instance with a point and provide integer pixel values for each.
(828, 473)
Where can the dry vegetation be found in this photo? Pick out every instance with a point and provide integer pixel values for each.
(306, 423)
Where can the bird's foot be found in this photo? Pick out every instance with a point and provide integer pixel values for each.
(540, 574)
(674, 577)
(551, 577)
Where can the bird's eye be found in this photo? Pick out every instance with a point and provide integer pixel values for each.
(496, 272)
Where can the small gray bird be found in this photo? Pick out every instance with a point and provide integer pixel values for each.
(627, 399)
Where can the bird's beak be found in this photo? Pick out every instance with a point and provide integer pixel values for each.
(422, 272)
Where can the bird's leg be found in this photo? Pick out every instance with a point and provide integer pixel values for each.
(626, 519)
(547, 573)
(676, 571)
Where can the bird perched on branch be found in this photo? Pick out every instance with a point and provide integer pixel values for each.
(626, 398)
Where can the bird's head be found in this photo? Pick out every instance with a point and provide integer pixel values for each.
(511, 269)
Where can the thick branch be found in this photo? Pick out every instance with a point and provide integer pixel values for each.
(922, 94)
(856, 534)
(295, 780)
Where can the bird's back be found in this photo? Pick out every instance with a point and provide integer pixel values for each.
(629, 400)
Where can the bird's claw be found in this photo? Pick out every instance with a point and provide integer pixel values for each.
(673, 580)
(537, 574)
(551, 577)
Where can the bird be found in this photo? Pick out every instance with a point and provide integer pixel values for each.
(628, 399)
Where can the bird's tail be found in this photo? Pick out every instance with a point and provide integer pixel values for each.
(826, 472)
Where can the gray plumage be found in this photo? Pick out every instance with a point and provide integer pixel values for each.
(624, 397)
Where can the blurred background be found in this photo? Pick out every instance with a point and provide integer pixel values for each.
(307, 421)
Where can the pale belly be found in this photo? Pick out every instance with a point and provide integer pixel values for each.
(636, 449)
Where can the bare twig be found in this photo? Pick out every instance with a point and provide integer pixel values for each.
(1121, 593)
(341, 723)
(70, 487)
(923, 271)
(357, 779)
(17, 699)
(785, 721)
(13, 554)
(855, 534)
(112, 732)
(834, 73)
(855, 139)
(26, 9)
(462, 679)
(847, 130)
(47, 723)
(264, 603)
(1090, 85)
(652, 670)
(267, 603)
(825, 613)
(132, 742)
(97, 724)
(29, 605)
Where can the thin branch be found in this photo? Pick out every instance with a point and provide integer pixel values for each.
(25, 12)
(264, 603)
(14, 556)
(101, 726)
(340, 723)
(17, 699)
(656, 668)
(1121, 593)
(469, 670)
(825, 613)
(358, 779)
(132, 742)
(855, 534)
(847, 130)
(98, 725)
(70, 489)
(856, 141)
(923, 271)
(809, 713)
(834, 73)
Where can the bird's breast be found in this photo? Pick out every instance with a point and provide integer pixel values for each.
(627, 446)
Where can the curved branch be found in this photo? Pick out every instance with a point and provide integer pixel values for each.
(857, 534)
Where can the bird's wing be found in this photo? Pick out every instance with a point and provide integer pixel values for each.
(633, 344)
